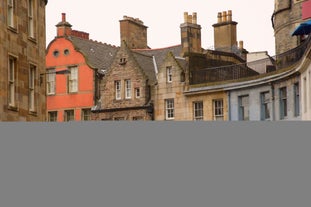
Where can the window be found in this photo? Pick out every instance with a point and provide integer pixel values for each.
(55, 53)
(169, 109)
(138, 118)
(304, 94)
(128, 89)
(73, 80)
(296, 100)
(66, 52)
(119, 118)
(50, 81)
(118, 89)
(283, 102)
(122, 61)
(265, 105)
(244, 107)
(11, 17)
(169, 74)
(218, 109)
(137, 92)
(86, 114)
(198, 110)
(69, 115)
(32, 78)
(30, 18)
(11, 77)
(52, 116)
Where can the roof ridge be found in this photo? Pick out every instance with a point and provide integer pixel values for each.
(96, 41)
(162, 48)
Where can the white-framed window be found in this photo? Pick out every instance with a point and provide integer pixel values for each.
(11, 80)
(283, 102)
(218, 109)
(265, 106)
(73, 80)
(52, 116)
(128, 89)
(243, 107)
(304, 101)
(117, 85)
(86, 114)
(11, 13)
(31, 18)
(169, 74)
(69, 115)
(169, 109)
(32, 87)
(50, 81)
(198, 110)
(296, 99)
(137, 92)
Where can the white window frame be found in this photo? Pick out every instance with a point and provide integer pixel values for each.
(73, 80)
(117, 85)
(128, 89)
(50, 81)
(169, 74)
(296, 88)
(12, 63)
(32, 87)
(31, 23)
(11, 13)
(169, 109)
(218, 109)
(137, 92)
(198, 110)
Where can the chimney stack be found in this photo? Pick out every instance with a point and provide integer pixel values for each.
(225, 36)
(63, 27)
(190, 34)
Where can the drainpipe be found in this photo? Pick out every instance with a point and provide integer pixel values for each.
(229, 106)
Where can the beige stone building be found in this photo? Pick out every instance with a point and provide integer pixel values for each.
(22, 60)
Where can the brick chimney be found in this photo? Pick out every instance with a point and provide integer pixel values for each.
(225, 35)
(63, 27)
(190, 34)
(133, 32)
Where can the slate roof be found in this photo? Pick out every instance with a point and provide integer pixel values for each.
(161, 53)
(146, 63)
(98, 55)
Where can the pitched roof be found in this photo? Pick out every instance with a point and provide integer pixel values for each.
(161, 53)
(98, 55)
(147, 65)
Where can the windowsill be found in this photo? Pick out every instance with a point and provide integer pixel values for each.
(33, 113)
(169, 119)
(51, 94)
(12, 29)
(32, 39)
(12, 108)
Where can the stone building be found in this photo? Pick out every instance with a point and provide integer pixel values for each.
(22, 60)
(70, 97)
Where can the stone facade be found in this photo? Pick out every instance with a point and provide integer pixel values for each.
(22, 49)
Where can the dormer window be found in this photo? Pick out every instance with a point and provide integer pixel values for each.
(122, 61)
(169, 74)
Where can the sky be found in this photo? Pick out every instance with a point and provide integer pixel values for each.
(163, 18)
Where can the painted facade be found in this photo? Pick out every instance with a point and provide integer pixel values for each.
(22, 60)
(70, 97)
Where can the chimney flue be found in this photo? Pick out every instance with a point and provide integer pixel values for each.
(219, 17)
(185, 17)
(229, 15)
(224, 16)
(194, 18)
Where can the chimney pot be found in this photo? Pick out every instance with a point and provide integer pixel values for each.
(189, 19)
(241, 45)
(63, 17)
(219, 17)
(224, 16)
(185, 17)
(229, 15)
(194, 18)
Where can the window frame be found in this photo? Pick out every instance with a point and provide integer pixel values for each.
(11, 14)
(283, 102)
(169, 76)
(265, 105)
(32, 87)
(51, 81)
(12, 77)
(86, 114)
(198, 111)
(128, 88)
(118, 86)
(169, 109)
(73, 79)
(242, 108)
(31, 19)
(296, 88)
(51, 117)
(137, 92)
(68, 116)
(218, 109)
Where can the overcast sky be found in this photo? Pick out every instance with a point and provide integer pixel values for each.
(101, 20)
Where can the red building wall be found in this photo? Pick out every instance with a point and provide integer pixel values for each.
(306, 10)
(62, 100)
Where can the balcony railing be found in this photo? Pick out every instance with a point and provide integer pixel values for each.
(248, 69)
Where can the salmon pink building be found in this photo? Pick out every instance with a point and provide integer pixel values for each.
(75, 66)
